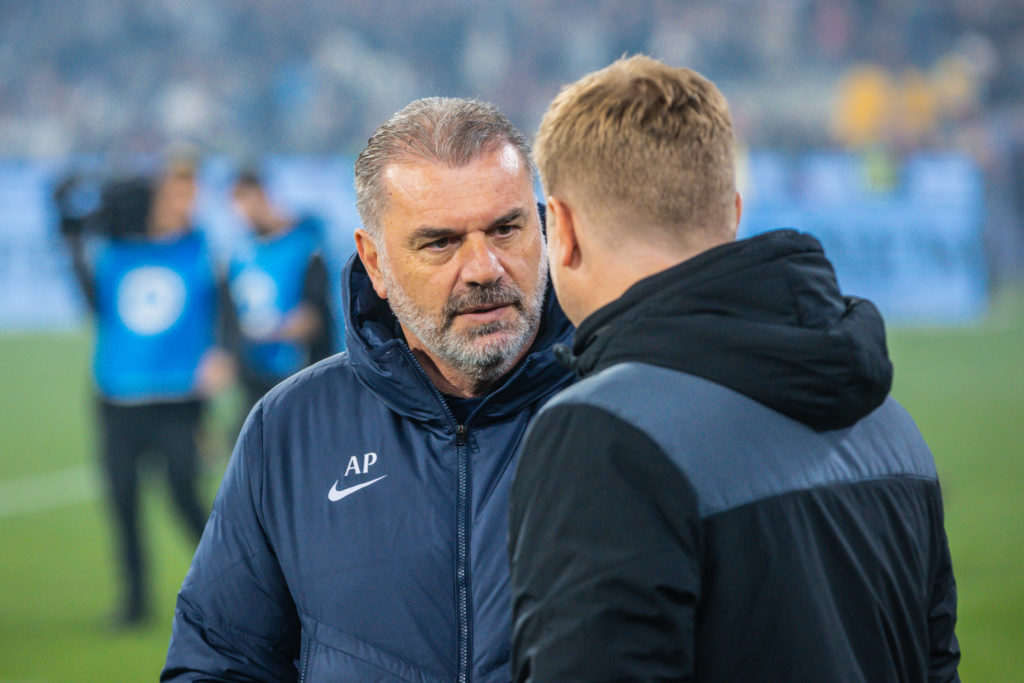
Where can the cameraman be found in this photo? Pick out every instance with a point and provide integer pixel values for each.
(151, 285)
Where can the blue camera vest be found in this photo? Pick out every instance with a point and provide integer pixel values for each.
(266, 278)
(156, 315)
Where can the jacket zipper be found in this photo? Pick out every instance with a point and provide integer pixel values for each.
(461, 526)
(462, 517)
(461, 511)
(305, 660)
(462, 551)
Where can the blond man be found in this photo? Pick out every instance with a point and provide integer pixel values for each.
(729, 493)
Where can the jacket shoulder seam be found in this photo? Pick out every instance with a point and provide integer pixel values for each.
(715, 512)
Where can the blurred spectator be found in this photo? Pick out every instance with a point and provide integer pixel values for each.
(864, 108)
(149, 280)
(874, 107)
(279, 292)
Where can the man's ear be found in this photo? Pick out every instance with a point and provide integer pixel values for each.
(366, 247)
(739, 212)
(562, 227)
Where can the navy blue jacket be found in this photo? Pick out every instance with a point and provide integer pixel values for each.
(360, 531)
(729, 494)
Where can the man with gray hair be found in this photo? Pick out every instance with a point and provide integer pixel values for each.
(360, 530)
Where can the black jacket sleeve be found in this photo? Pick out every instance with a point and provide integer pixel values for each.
(604, 545)
(235, 619)
(316, 293)
(944, 650)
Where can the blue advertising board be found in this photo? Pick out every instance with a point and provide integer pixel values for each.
(37, 290)
(914, 246)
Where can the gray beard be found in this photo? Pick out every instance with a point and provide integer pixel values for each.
(483, 362)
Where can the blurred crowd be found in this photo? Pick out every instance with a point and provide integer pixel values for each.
(255, 77)
(264, 75)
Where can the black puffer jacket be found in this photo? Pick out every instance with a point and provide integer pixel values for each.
(728, 494)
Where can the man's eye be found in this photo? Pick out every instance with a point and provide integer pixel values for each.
(439, 243)
(503, 230)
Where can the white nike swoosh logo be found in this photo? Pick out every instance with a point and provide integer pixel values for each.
(334, 494)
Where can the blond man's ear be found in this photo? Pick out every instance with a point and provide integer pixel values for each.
(563, 241)
(739, 213)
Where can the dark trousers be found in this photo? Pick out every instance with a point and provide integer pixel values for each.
(129, 432)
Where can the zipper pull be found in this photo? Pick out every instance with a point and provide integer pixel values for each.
(460, 434)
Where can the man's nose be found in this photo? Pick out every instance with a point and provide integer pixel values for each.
(480, 265)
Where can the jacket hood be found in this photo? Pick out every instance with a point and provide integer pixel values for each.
(385, 365)
(763, 316)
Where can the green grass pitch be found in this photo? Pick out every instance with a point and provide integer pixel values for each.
(58, 583)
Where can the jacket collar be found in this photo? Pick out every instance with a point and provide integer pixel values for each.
(763, 316)
(385, 365)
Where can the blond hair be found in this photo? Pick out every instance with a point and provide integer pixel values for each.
(644, 144)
